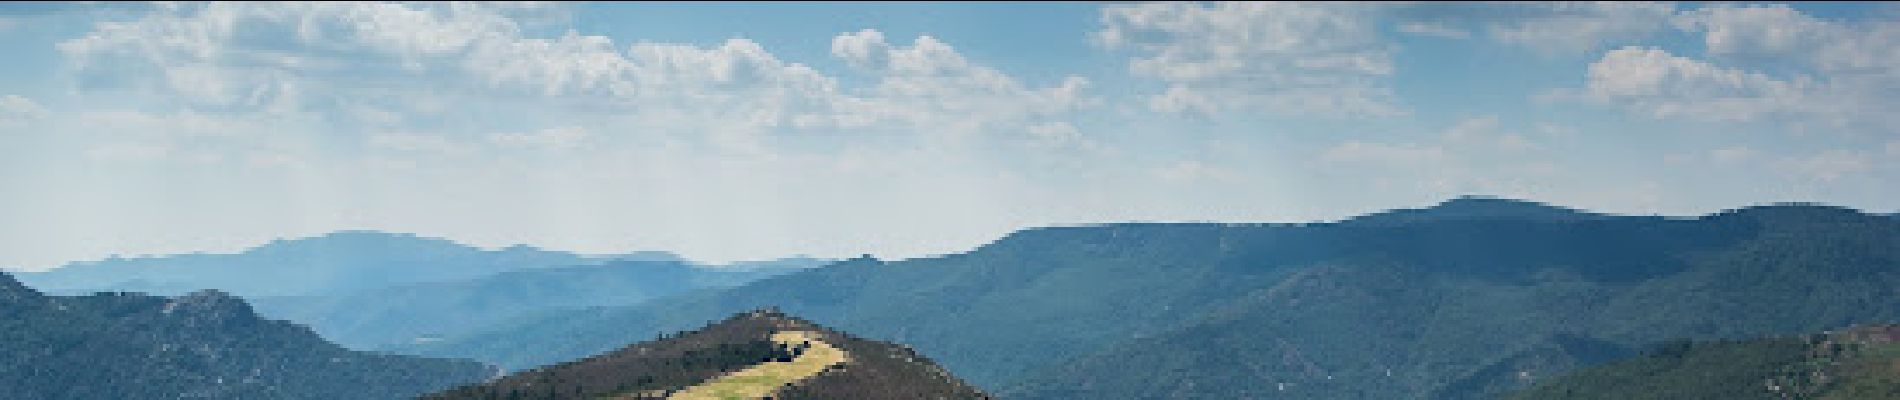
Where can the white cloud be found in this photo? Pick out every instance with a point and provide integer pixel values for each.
(1777, 33)
(1773, 30)
(1433, 30)
(1893, 148)
(1573, 27)
(1284, 58)
(385, 64)
(16, 110)
(1550, 28)
(1826, 74)
(929, 86)
(563, 137)
(1654, 83)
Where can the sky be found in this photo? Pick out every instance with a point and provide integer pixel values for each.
(743, 131)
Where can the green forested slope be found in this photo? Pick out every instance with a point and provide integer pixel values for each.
(1858, 364)
(1469, 304)
(672, 363)
(205, 345)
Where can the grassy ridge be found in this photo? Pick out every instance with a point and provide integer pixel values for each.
(812, 357)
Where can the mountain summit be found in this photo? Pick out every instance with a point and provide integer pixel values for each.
(1474, 207)
(758, 354)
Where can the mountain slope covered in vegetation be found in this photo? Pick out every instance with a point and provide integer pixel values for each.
(1852, 364)
(752, 352)
(1433, 306)
(204, 345)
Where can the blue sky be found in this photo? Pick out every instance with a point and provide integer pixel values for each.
(755, 130)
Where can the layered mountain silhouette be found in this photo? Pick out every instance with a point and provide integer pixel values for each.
(329, 264)
(749, 355)
(372, 290)
(1471, 298)
(1478, 207)
(412, 314)
(1857, 363)
(204, 345)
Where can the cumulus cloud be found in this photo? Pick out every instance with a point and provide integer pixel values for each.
(262, 55)
(1654, 83)
(1863, 48)
(383, 65)
(1331, 59)
(1773, 30)
(1573, 27)
(1825, 73)
(16, 110)
(1551, 28)
(1285, 58)
(928, 85)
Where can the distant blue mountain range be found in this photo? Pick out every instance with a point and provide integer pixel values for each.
(367, 289)
(333, 263)
(420, 312)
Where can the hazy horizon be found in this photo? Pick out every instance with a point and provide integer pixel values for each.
(728, 132)
(496, 247)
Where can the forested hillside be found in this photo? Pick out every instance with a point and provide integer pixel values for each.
(1464, 304)
(205, 345)
(688, 361)
(419, 312)
(1861, 363)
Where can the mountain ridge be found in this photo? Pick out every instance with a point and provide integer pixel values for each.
(690, 360)
(1035, 299)
(379, 318)
(207, 344)
(1860, 362)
